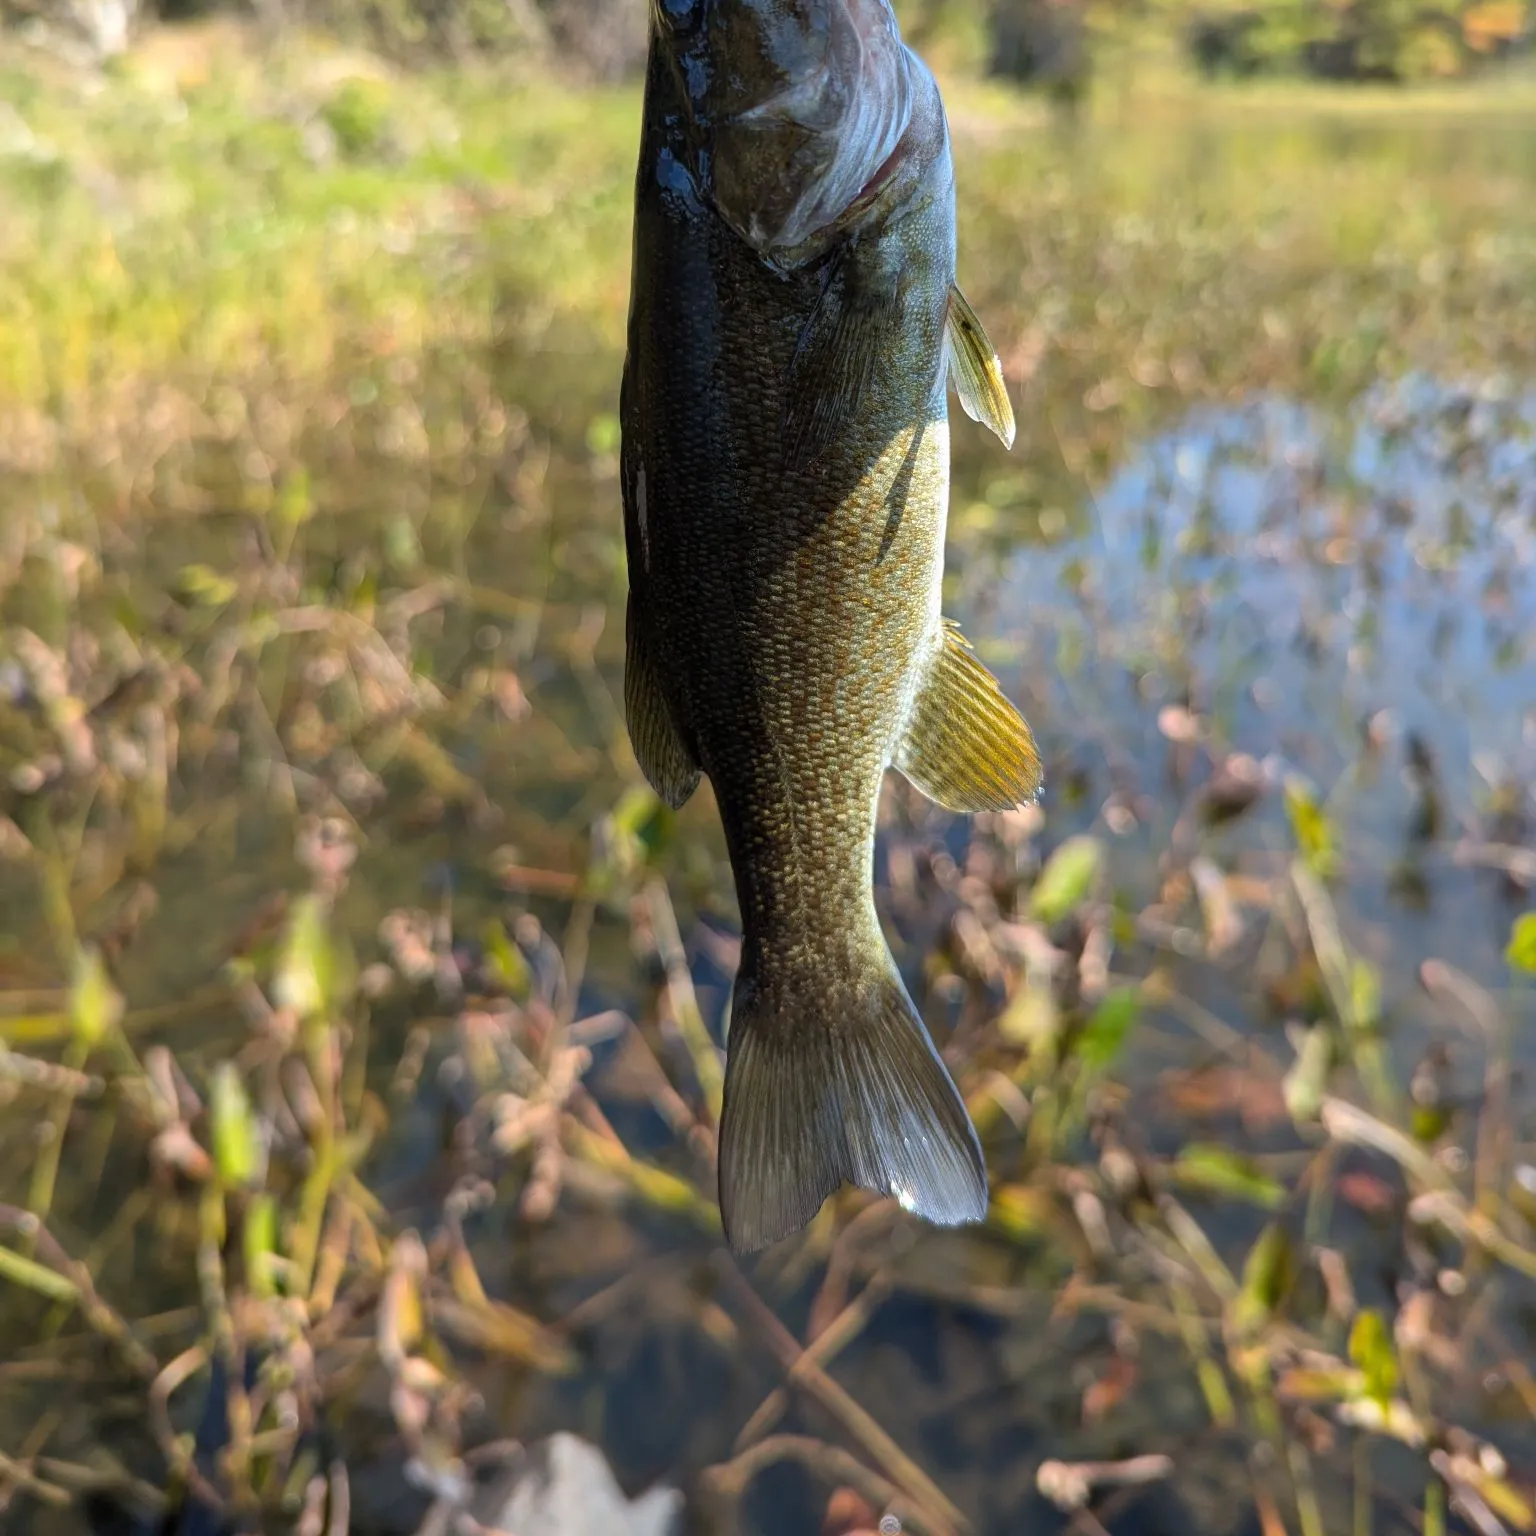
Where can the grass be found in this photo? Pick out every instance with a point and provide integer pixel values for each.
(355, 997)
(290, 233)
(315, 231)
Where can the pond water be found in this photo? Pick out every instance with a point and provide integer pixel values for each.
(1347, 597)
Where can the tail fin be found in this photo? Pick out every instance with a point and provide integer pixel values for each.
(839, 1085)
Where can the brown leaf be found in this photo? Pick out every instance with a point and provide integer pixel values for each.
(1108, 1392)
(1366, 1192)
(1270, 1521)
(848, 1511)
(1207, 1093)
(503, 1330)
(1251, 891)
(1235, 785)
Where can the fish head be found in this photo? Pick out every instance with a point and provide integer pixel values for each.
(795, 109)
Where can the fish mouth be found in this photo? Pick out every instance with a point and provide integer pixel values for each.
(797, 111)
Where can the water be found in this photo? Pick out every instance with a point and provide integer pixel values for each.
(1311, 583)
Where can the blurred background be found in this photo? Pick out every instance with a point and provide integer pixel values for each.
(360, 1009)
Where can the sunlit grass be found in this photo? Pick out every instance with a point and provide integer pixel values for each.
(276, 230)
(211, 218)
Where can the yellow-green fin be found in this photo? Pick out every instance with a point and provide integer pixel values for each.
(664, 758)
(966, 747)
(976, 370)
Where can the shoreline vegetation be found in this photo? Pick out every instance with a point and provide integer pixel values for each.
(359, 1008)
(210, 221)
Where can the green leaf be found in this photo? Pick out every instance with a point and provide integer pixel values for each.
(358, 114)
(1268, 1275)
(1312, 828)
(260, 1239)
(203, 587)
(236, 1137)
(603, 433)
(1364, 995)
(1066, 880)
(1213, 1168)
(639, 815)
(1315, 1384)
(363, 592)
(1370, 1348)
(35, 1277)
(506, 961)
(1108, 1027)
(1428, 1122)
(1506, 1501)
(95, 1005)
(295, 503)
(1031, 1019)
(314, 971)
(1521, 952)
(1019, 1211)
(402, 544)
(641, 827)
(1122, 926)
(1307, 1080)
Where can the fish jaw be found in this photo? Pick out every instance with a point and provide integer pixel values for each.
(794, 109)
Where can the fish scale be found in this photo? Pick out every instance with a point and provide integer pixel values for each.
(793, 327)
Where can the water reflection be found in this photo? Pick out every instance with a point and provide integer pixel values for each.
(1348, 597)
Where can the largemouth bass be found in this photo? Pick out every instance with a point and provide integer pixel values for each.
(785, 467)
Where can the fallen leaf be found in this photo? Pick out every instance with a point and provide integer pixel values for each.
(1208, 1093)
(1106, 1394)
(1366, 1192)
(848, 1512)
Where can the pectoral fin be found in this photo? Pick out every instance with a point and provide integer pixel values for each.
(834, 366)
(966, 747)
(663, 755)
(976, 370)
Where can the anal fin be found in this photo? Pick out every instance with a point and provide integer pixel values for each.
(976, 370)
(965, 746)
(663, 755)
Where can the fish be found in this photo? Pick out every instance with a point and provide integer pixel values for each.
(794, 326)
